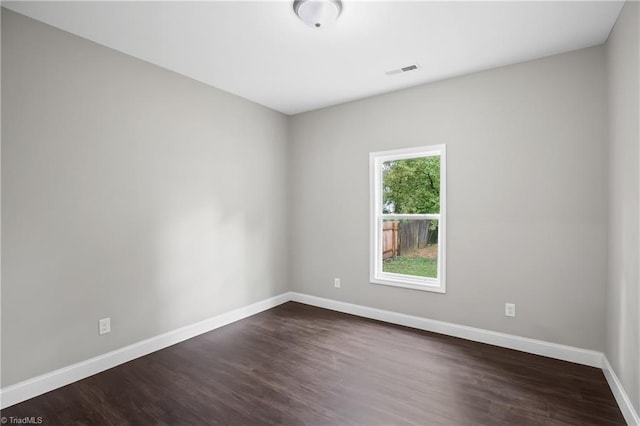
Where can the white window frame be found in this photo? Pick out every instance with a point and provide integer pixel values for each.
(377, 276)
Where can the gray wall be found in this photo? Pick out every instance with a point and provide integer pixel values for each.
(623, 291)
(527, 197)
(128, 191)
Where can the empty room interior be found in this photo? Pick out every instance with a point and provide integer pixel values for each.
(320, 212)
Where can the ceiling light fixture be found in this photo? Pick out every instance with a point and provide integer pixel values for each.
(317, 13)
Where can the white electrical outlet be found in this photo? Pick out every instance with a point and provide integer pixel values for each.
(336, 282)
(105, 326)
(509, 309)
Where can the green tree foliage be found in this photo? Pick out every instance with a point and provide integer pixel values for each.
(412, 186)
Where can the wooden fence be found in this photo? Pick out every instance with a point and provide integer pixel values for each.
(402, 238)
(390, 244)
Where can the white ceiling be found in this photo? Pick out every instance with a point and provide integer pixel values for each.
(263, 52)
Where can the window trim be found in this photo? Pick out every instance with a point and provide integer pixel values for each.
(376, 275)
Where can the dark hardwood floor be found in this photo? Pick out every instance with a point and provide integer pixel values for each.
(297, 364)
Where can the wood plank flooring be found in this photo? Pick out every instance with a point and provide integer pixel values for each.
(300, 365)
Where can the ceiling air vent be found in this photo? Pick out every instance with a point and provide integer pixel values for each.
(403, 69)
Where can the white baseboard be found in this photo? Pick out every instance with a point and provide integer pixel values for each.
(524, 344)
(41, 384)
(628, 411)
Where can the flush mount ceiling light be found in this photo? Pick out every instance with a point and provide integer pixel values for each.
(317, 13)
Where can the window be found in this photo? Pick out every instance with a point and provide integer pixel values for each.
(408, 202)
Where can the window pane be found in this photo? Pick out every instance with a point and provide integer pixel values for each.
(411, 186)
(410, 247)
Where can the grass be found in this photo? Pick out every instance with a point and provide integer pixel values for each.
(419, 266)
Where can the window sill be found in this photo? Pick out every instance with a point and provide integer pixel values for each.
(434, 286)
